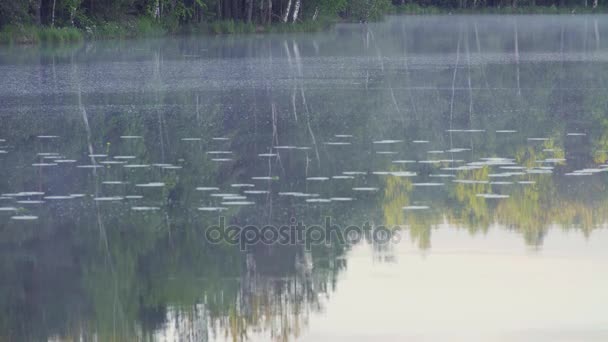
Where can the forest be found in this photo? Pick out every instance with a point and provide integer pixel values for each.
(31, 21)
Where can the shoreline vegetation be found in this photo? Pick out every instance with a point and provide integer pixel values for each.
(56, 22)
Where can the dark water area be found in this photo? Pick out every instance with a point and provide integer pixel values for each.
(479, 142)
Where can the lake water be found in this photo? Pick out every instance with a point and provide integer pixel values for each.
(478, 144)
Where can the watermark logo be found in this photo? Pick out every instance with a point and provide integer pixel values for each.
(297, 233)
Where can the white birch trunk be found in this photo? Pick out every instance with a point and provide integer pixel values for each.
(287, 9)
(296, 10)
(594, 3)
(314, 16)
(53, 14)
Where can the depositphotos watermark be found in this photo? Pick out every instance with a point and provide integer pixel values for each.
(297, 233)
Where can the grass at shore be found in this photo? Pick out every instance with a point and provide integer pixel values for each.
(35, 35)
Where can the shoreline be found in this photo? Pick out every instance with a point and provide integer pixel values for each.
(143, 27)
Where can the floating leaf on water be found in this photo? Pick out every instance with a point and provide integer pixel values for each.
(151, 185)
(207, 188)
(24, 218)
(462, 168)
(242, 185)
(109, 198)
(365, 189)
(403, 161)
(255, 192)
(144, 208)
(578, 174)
(336, 143)
(318, 200)
(265, 178)
(238, 203)
(131, 137)
(538, 171)
(267, 155)
(506, 131)
(387, 141)
(24, 194)
(224, 195)
(317, 178)
(58, 197)
(114, 182)
(402, 174)
(219, 152)
(470, 181)
(492, 196)
(554, 160)
(136, 166)
(93, 166)
(428, 184)
(455, 150)
(442, 175)
(415, 207)
(341, 199)
(465, 130)
(212, 208)
(342, 177)
(191, 139)
(31, 202)
(44, 164)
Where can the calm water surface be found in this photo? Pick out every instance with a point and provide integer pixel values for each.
(481, 142)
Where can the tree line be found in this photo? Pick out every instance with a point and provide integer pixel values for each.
(84, 13)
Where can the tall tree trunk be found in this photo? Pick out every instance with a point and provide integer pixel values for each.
(296, 10)
(35, 8)
(53, 14)
(269, 11)
(218, 15)
(594, 3)
(287, 9)
(316, 14)
(249, 10)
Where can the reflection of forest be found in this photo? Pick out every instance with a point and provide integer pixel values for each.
(87, 270)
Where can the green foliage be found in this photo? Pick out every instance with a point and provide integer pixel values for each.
(368, 10)
(45, 35)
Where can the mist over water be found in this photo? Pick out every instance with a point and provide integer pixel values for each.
(481, 140)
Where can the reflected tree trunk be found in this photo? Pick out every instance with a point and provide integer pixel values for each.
(517, 58)
(597, 34)
(53, 14)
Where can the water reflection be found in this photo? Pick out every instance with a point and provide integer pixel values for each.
(117, 156)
